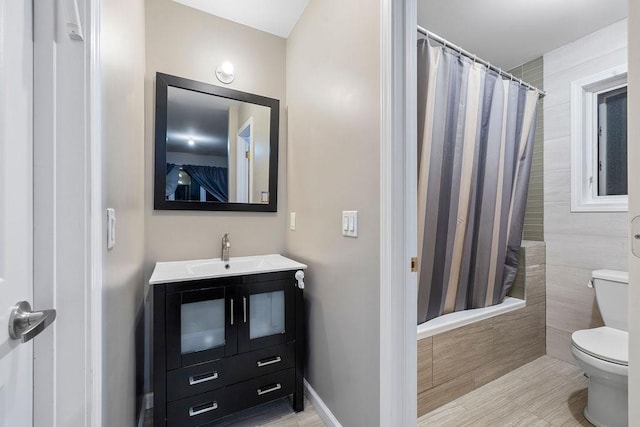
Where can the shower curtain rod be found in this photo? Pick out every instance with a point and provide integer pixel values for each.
(475, 58)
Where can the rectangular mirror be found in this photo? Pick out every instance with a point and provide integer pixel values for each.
(216, 148)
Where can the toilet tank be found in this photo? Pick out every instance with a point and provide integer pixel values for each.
(611, 294)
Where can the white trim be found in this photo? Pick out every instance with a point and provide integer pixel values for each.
(145, 405)
(458, 319)
(584, 124)
(321, 408)
(141, 414)
(398, 224)
(97, 221)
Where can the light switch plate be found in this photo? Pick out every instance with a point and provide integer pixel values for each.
(292, 222)
(349, 223)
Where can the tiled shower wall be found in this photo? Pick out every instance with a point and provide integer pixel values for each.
(577, 242)
(532, 73)
(453, 363)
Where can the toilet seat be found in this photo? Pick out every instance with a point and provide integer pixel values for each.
(604, 343)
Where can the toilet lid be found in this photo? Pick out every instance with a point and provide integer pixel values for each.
(609, 344)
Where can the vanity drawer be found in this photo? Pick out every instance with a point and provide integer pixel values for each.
(195, 379)
(208, 407)
(200, 409)
(260, 362)
(263, 389)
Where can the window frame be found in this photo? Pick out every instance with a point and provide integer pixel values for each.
(584, 141)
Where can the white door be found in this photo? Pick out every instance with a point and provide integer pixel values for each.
(16, 216)
(16, 228)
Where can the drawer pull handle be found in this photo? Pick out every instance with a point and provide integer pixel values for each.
(269, 390)
(231, 305)
(276, 359)
(201, 409)
(197, 379)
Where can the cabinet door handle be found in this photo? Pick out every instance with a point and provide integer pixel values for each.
(269, 390)
(244, 308)
(262, 363)
(197, 379)
(231, 305)
(201, 409)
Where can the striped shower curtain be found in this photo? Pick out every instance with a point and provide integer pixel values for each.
(475, 144)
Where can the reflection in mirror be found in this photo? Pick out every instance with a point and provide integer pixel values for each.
(218, 148)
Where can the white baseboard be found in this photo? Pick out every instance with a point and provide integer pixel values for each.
(147, 403)
(141, 416)
(323, 410)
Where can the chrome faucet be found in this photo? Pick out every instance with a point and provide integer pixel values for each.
(226, 245)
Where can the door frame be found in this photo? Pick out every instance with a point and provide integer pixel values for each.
(633, 81)
(398, 390)
(67, 84)
(248, 162)
(398, 213)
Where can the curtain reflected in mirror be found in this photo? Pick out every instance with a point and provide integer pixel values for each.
(214, 147)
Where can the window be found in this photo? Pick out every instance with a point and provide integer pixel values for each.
(599, 142)
(612, 142)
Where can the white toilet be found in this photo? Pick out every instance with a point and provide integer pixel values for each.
(603, 352)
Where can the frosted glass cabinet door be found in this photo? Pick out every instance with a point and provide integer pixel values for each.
(199, 326)
(266, 315)
(202, 325)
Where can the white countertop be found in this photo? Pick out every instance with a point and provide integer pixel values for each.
(181, 271)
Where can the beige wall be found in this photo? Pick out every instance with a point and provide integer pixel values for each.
(233, 140)
(577, 243)
(188, 43)
(122, 68)
(333, 101)
(634, 210)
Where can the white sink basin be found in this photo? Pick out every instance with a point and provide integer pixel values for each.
(179, 271)
(217, 266)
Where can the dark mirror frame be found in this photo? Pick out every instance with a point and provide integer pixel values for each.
(163, 81)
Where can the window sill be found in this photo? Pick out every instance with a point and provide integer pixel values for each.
(603, 204)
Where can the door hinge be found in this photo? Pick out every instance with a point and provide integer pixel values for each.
(247, 154)
(414, 264)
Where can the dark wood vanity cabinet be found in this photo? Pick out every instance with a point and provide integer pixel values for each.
(222, 345)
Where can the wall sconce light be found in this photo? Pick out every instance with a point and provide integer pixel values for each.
(224, 72)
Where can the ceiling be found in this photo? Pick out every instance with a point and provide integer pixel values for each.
(272, 16)
(508, 33)
(199, 117)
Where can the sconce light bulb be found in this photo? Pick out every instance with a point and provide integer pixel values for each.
(191, 142)
(227, 68)
(224, 72)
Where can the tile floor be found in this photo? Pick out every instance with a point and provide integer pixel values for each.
(273, 414)
(545, 392)
(278, 413)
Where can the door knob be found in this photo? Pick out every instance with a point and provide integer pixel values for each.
(25, 324)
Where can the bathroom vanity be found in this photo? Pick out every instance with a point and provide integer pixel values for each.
(225, 336)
